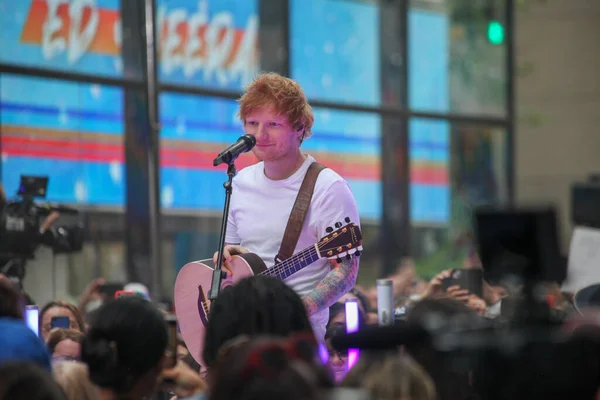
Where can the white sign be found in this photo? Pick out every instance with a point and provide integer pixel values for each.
(584, 259)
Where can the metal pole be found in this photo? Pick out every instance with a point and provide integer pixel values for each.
(510, 96)
(153, 150)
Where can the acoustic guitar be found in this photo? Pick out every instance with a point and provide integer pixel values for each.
(193, 281)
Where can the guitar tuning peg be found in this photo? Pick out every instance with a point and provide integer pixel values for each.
(329, 229)
(357, 253)
(348, 257)
(338, 224)
(338, 260)
(347, 219)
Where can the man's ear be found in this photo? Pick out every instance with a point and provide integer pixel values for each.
(303, 132)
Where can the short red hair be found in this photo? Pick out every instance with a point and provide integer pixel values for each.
(284, 94)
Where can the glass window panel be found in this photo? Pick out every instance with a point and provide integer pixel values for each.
(213, 44)
(350, 143)
(194, 130)
(335, 51)
(71, 132)
(428, 60)
(429, 151)
(472, 171)
(457, 57)
(79, 36)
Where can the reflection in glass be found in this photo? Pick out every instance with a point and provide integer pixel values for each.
(429, 150)
(454, 63)
(349, 143)
(212, 44)
(475, 174)
(71, 132)
(194, 130)
(335, 50)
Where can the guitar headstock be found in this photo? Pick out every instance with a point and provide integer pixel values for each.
(346, 242)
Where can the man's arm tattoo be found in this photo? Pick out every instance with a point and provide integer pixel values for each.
(336, 283)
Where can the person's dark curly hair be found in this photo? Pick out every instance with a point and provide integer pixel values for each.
(126, 339)
(26, 380)
(259, 305)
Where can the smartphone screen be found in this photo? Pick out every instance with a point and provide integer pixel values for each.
(32, 316)
(60, 322)
(173, 342)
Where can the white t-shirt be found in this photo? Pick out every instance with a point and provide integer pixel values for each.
(259, 212)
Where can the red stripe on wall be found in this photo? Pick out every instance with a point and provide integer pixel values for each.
(71, 150)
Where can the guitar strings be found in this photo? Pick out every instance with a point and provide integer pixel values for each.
(282, 267)
(287, 265)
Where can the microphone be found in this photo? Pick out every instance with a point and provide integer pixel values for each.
(244, 143)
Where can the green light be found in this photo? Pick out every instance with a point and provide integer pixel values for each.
(495, 32)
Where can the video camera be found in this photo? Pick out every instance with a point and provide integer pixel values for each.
(22, 227)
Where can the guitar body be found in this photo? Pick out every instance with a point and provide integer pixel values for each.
(194, 280)
(192, 288)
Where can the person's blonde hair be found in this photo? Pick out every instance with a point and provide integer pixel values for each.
(63, 304)
(58, 335)
(73, 378)
(284, 95)
(390, 375)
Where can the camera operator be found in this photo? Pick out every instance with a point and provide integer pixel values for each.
(26, 224)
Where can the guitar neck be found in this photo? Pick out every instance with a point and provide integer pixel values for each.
(293, 264)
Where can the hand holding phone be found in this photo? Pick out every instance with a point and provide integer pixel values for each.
(468, 279)
(183, 380)
(436, 284)
(173, 342)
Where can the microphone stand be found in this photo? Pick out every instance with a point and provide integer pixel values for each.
(218, 273)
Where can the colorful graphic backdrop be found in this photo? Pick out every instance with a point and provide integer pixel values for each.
(429, 139)
(74, 132)
(335, 50)
(71, 132)
(79, 35)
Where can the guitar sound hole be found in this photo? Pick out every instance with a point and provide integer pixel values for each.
(203, 305)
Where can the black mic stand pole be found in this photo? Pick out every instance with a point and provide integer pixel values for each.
(218, 273)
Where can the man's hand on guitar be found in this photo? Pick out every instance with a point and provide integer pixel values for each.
(229, 251)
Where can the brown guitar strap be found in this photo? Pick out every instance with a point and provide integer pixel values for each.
(298, 214)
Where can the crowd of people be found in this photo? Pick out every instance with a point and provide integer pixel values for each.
(260, 343)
